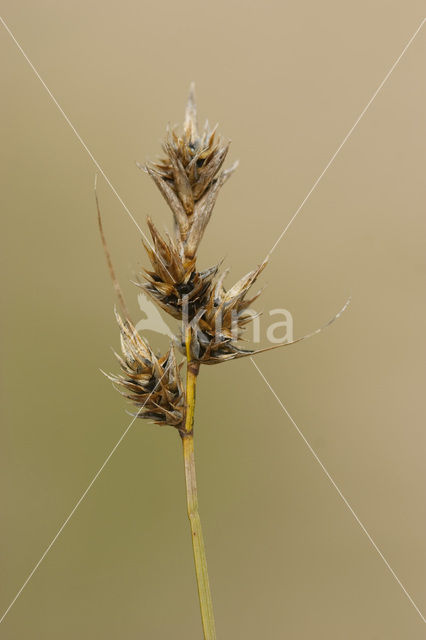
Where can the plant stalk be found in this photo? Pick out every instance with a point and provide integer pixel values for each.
(200, 560)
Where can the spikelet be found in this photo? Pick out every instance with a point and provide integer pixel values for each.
(188, 177)
(174, 282)
(152, 384)
(223, 319)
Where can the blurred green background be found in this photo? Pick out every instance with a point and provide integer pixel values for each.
(286, 81)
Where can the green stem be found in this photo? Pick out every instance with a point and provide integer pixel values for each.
(200, 560)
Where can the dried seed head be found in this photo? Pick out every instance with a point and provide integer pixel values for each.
(213, 318)
(174, 282)
(222, 320)
(188, 177)
(153, 384)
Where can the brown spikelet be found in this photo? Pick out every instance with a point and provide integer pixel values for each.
(188, 176)
(152, 384)
(222, 320)
(174, 282)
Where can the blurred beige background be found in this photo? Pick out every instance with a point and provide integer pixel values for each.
(286, 81)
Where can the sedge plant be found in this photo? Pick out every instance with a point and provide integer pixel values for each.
(212, 318)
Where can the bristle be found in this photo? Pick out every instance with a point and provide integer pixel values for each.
(190, 124)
